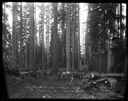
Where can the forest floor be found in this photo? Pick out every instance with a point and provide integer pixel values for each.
(33, 87)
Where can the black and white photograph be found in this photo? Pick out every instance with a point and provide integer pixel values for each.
(64, 50)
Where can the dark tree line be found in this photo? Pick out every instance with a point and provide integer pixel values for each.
(61, 41)
(53, 43)
(105, 24)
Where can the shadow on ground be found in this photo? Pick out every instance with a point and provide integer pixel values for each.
(33, 87)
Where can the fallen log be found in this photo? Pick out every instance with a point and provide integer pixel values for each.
(94, 83)
(95, 79)
(25, 72)
(108, 75)
(116, 75)
(12, 72)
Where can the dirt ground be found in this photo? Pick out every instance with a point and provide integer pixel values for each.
(35, 87)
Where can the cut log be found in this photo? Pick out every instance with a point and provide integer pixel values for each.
(94, 83)
(12, 72)
(96, 78)
(25, 72)
(110, 75)
(115, 75)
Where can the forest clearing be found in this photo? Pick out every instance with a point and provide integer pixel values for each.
(64, 50)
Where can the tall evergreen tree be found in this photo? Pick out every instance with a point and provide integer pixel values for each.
(41, 33)
(6, 37)
(73, 35)
(31, 30)
(78, 31)
(68, 38)
(20, 32)
(55, 41)
(14, 37)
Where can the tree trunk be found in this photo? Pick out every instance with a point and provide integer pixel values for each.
(42, 41)
(125, 68)
(121, 31)
(87, 39)
(13, 65)
(73, 37)
(68, 39)
(110, 59)
(34, 39)
(47, 38)
(79, 55)
(63, 36)
(55, 42)
(31, 30)
(20, 56)
(118, 21)
(26, 48)
(26, 56)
